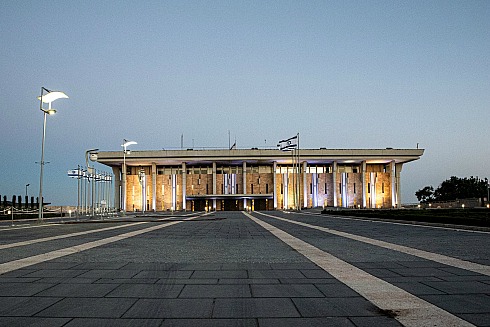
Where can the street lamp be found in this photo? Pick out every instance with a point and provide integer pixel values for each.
(49, 97)
(125, 144)
(91, 172)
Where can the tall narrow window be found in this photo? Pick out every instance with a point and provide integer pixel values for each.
(369, 187)
(311, 188)
(281, 188)
(382, 187)
(325, 188)
(207, 188)
(252, 188)
(267, 188)
(354, 188)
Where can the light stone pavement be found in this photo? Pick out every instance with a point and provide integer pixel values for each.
(242, 269)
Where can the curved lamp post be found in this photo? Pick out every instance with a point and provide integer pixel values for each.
(47, 97)
(125, 144)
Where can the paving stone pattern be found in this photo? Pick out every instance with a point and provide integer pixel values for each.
(226, 272)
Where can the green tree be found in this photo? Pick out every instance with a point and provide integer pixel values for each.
(425, 195)
(454, 188)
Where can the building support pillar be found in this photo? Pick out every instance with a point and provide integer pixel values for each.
(117, 187)
(244, 183)
(184, 186)
(334, 182)
(305, 188)
(124, 192)
(274, 192)
(398, 170)
(214, 185)
(363, 171)
(153, 186)
(393, 184)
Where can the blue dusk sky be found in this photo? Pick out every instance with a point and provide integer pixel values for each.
(344, 74)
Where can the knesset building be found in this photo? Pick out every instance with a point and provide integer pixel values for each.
(257, 179)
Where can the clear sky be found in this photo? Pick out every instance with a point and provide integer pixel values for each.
(344, 74)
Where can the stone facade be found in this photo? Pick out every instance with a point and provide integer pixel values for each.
(258, 179)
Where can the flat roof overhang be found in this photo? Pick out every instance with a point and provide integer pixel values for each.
(257, 156)
(228, 196)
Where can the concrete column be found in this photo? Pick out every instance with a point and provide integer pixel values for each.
(305, 188)
(153, 186)
(398, 170)
(372, 180)
(184, 186)
(363, 170)
(334, 182)
(123, 188)
(393, 184)
(274, 192)
(214, 184)
(117, 185)
(244, 183)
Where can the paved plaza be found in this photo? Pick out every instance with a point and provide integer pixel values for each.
(266, 268)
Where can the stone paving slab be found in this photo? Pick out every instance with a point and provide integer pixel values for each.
(336, 290)
(67, 280)
(24, 306)
(335, 307)
(215, 291)
(88, 307)
(254, 307)
(273, 273)
(164, 274)
(150, 291)
(306, 322)
(86, 322)
(109, 273)
(33, 322)
(62, 273)
(286, 290)
(375, 322)
(418, 288)
(209, 323)
(125, 281)
(171, 308)
(462, 287)
(78, 290)
(220, 274)
(459, 303)
(248, 281)
(22, 289)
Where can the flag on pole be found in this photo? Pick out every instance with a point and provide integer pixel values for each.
(233, 146)
(288, 144)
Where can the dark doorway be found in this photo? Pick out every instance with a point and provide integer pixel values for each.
(199, 205)
(231, 205)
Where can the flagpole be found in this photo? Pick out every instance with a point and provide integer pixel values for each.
(293, 178)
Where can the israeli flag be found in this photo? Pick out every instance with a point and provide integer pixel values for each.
(289, 144)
